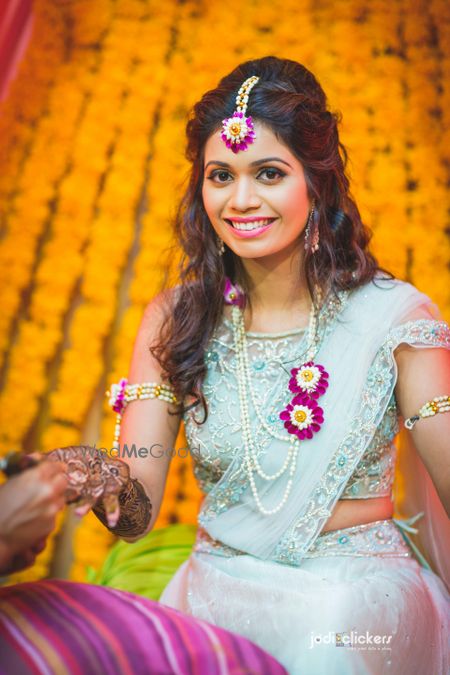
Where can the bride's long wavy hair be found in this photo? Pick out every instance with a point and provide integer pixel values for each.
(290, 101)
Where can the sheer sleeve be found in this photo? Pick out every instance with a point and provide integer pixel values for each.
(426, 310)
(415, 492)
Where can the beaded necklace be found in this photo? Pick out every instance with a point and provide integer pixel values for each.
(302, 417)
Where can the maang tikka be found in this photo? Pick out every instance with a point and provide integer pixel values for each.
(238, 131)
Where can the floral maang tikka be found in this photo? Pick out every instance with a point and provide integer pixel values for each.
(238, 131)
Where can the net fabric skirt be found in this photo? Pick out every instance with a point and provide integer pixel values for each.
(324, 616)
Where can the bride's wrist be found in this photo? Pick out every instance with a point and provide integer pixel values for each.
(135, 511)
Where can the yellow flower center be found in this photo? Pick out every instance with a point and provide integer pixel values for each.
(300, 416)
(235, 128)
(307, 375)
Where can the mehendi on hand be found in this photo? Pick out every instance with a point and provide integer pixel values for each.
(103, 484)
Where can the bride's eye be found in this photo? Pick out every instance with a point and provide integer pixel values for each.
(222, 173)
(213, 174)
(271, 174)
(272, 171)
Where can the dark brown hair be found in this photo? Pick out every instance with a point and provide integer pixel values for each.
(290, 101)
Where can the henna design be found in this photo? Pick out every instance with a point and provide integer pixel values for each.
(135, 511)
(103, 484)
(92, 474)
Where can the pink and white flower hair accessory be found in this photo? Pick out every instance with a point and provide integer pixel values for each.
(233, 294)
(238, 131)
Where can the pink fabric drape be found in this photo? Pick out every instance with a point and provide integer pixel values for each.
(16, 20)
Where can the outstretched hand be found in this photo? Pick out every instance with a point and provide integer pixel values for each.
(20, 561)
(94, 478)
(29, 504)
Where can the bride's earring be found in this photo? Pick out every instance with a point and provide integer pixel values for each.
(221, 245)
(312, 232)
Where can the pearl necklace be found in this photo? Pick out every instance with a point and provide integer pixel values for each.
(244, 383)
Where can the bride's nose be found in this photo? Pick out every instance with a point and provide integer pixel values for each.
(244, 195)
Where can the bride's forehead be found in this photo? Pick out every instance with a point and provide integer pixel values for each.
(264, 145)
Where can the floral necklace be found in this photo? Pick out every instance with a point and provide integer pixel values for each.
(302, 417)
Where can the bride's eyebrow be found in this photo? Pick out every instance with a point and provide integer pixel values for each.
(255, 163)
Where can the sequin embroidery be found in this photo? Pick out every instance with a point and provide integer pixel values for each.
(379, 538)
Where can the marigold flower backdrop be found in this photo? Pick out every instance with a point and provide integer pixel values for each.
(91, 163)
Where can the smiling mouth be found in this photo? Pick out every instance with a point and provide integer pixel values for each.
(254, 225)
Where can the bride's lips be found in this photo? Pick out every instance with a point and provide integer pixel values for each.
(246, 234)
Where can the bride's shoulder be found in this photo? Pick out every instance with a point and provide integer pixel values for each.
(388, 289)
(387, 301)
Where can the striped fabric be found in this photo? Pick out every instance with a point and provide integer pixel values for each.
(57, 626)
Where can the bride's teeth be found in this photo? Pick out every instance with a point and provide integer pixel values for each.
(251, 226)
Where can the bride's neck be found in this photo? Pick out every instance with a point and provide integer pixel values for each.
(278, 287)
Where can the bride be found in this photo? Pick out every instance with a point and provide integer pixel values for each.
(294, 361)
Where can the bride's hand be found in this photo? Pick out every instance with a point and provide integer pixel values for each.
(94, 478)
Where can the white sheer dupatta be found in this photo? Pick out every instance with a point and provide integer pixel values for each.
(419, 496)
(358, 355)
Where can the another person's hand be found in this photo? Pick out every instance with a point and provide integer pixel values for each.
(94, 478)
(29, 504)
(24, 559)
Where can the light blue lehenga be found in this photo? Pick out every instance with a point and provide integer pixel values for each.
(355, 600)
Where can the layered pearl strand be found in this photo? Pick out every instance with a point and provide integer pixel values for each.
(244, 384)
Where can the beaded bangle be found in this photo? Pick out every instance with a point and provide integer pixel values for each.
(440, 404)
(121, 394)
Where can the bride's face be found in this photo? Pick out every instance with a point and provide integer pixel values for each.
(266, 183)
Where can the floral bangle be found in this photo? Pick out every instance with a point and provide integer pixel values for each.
(122, 393)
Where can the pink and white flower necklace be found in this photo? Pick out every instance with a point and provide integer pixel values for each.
(302, 416)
